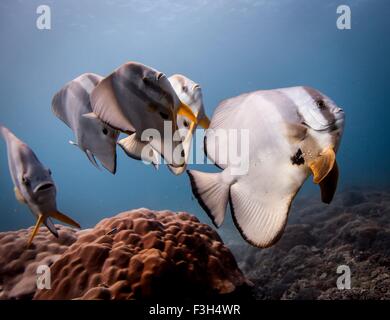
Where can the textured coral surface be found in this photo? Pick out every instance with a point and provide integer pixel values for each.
(18, 264)
(145, 254)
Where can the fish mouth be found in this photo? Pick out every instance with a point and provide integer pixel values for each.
(44, 186)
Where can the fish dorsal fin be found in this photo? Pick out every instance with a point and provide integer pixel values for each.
(105, 105)
(329, 184)
(139, 150)
(322, 165)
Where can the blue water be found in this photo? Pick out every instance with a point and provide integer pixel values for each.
(229, 47)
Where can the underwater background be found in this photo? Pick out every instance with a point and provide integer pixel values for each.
(228, 47)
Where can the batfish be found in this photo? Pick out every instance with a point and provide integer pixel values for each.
(33, 184)
(72, 105)
(292, 132)
(135, 98)
(191, 94)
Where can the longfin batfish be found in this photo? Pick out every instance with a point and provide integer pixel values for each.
(33, 184)
(135, 98)
(72, 105)
(292, 132)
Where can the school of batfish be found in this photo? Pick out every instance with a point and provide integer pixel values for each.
(292, 133)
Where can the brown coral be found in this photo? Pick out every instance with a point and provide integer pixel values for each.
(145, 254)
(18, 264)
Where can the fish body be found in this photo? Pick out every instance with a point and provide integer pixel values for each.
(136, 98)
(33, 183)
(292, 133)
(72, 105)
(190, 93)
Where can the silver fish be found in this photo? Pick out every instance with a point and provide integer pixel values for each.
(293, 132)
(72, 105)
(135, 98)
(191, 94)
(33, 184)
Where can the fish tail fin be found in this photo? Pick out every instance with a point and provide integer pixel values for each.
(35, 230)
(50, 225)
(212, 193)
(260, 218)
(63, 218)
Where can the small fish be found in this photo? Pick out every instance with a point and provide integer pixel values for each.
(293, 132)
(191, 94)
(72, 105)
(135, 98)
(33, 184)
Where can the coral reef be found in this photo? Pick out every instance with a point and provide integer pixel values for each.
(146, 254)
(18, 264)
(353, 231)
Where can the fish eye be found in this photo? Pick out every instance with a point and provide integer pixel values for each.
(164, 115)
(25, 181)
(184, 88)
(186, 123)
(105, 131)
(159, 76)
(49, 171)
(321, 104)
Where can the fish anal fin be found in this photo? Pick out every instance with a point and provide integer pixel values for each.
(260, 219)
(19, 196)
(50, 225)
(322, 165)
(36, 228)
(63, 218)
(329, 184)
(212, 193)
(92, 158)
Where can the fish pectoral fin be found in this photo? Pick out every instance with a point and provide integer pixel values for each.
(90, 115)
(19, 196)
(204, 122)
(63, 218)
(36, 228)
(186, 111)
(211, 192)
(139, 150)
(329, 184)
(322, 165)
(296, 131)
(92, 158)
(50, 225)
(105, 104)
